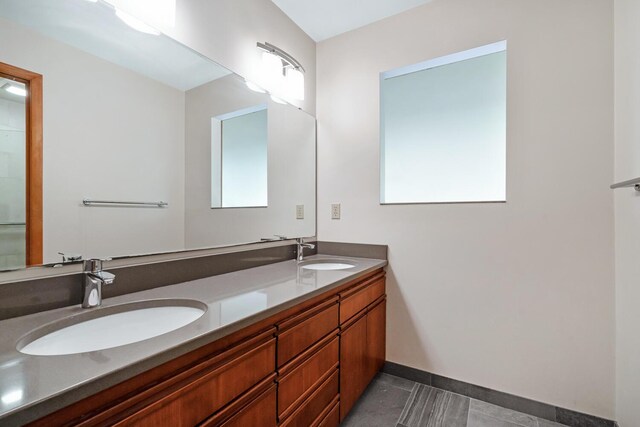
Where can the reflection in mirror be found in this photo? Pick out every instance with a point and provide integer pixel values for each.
(239, 159)
(12, 174)
(127, 116)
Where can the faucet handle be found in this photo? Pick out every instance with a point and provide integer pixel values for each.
(93, 265)
(107, 278)
(70, 257)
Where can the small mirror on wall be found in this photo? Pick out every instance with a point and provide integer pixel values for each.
(239, 159)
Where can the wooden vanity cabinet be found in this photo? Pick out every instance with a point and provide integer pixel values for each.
(362, 339)
(303, 367)
(183, 392)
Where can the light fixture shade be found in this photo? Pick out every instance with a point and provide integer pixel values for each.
(271, 75)
(295, 83)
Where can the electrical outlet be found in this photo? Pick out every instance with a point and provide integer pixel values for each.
(299, 211)
(335, 211)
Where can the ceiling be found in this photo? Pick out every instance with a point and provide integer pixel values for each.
(327, 18)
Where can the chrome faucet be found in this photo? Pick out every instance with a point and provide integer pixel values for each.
(302, 246)
(94, 278)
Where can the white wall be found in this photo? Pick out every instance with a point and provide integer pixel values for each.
(94, 112)
(627, 211)
(227, 32)
(517, 297)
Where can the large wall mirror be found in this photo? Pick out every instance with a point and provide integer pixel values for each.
(114, 111)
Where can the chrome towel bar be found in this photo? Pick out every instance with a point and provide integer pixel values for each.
(89, 202)
(635, 183)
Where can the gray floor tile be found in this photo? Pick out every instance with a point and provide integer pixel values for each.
(431, 407)
(504, 400)
(480, 419)
(402, 383)
(503, 414)
(380, 405)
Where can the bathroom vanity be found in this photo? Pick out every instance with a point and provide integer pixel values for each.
(278, 345)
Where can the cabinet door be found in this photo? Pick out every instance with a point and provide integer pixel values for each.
(376, 338)
(353, 366)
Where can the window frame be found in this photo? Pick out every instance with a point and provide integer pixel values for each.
(497, 47)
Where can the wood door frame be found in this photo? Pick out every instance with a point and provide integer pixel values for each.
(34, 158)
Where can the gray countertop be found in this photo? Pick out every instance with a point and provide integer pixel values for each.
(33, 386)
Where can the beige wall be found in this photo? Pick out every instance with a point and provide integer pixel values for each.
(227, 32)
(517, 297)
(627, 209)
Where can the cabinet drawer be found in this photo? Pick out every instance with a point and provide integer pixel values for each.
(355, 300)
(297, 334)
(313, 407)
(207, 391)
(261, 411)
(332, 419)
(300, 381)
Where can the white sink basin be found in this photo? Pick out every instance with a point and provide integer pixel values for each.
(327, 264)
(108, 327)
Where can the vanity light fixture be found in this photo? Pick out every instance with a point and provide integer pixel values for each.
(271, 72)
(16, 90)
(282, 73)
(136, 23)
(295, 83)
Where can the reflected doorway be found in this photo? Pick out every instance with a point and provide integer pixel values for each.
(20, 168)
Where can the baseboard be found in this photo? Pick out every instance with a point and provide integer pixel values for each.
(506, 400)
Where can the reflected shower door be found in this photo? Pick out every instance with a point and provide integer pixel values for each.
(13, 177)
(20, 168)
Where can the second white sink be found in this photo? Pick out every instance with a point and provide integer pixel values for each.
(326, 264)
(109, 327)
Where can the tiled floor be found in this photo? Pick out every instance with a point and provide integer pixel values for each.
(395, 402)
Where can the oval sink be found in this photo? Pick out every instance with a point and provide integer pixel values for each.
(327, 264)
(110, 327)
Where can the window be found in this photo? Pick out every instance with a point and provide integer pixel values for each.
(443, 129)
(239, 159)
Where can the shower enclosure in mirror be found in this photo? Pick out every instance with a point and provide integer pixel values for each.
(20, 167)
(13, 179)
(131, 115)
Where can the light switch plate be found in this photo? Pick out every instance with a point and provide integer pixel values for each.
(299, 211)
(335, 211)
